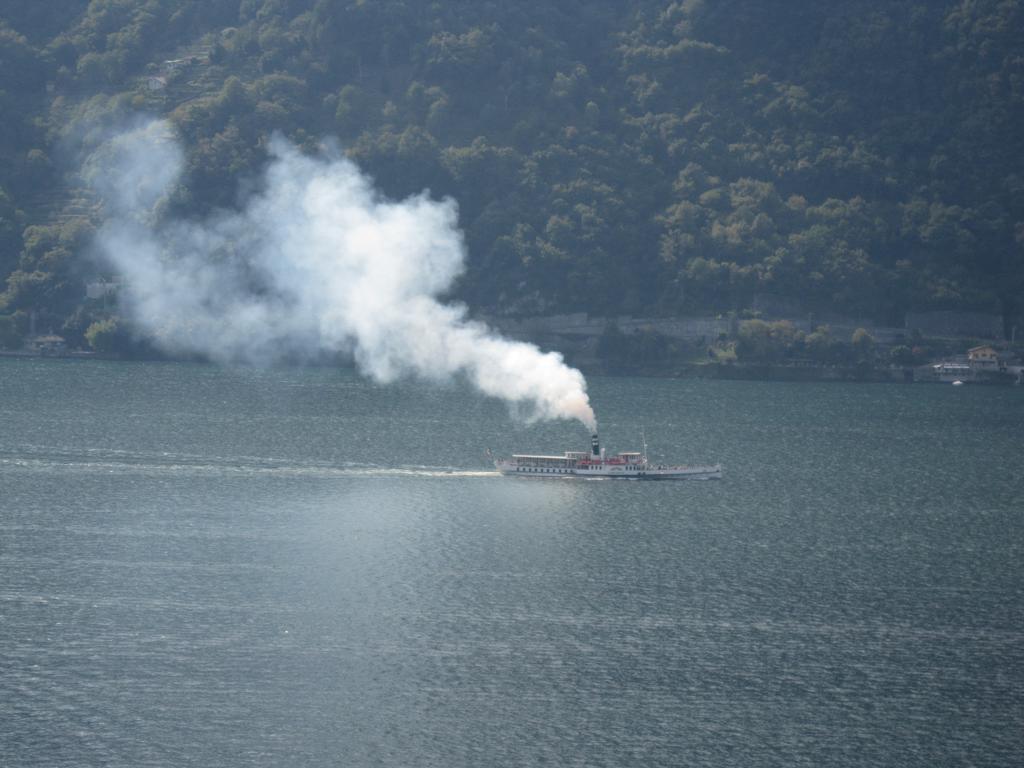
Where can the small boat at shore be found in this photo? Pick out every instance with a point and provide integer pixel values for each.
(594, 463)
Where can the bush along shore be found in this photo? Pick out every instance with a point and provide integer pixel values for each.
(711, 348)
(757, 349)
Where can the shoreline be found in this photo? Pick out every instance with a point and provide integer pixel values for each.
(720, 371)
(759, 372)
(805, 373)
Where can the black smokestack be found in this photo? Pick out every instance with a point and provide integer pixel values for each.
(595, 445)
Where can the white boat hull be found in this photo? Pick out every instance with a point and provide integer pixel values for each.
(712, 472)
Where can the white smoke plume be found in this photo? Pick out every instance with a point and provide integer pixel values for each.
(314, 262)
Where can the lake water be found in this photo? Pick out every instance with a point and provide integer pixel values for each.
(213, 567)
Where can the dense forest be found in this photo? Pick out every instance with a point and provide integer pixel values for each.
(863, 157)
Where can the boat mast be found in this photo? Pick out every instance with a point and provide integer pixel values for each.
(643, 439)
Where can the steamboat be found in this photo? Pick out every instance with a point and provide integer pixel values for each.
(631, 464)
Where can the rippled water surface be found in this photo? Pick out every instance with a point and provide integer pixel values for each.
(201, 566)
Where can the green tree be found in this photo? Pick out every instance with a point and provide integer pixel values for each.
(863, 344)
(10, 335)
(104, 335)
(902, 355)
(821, 347)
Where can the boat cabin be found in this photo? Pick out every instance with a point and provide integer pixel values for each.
(551, 465)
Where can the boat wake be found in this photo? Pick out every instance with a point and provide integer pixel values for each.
(44, 460)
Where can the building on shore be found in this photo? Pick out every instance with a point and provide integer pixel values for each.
(46, 344)
(101, 289)
(983, 358)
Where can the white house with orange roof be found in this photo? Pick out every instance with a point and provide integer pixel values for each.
(983, 358)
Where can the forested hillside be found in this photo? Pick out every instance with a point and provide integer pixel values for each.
(863, 157)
